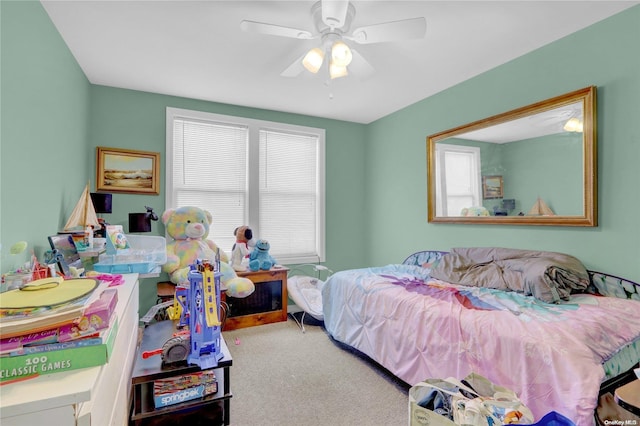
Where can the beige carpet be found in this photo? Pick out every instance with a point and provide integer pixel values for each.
(281, 376)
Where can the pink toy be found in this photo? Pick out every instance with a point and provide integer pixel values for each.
(96, 317)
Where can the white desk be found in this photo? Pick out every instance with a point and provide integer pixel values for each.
(91, 396)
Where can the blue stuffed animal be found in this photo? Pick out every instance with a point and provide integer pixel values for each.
(260, 258)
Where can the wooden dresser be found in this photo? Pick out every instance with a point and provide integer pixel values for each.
(90, 396)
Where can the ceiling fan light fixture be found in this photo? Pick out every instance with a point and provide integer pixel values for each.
(337, 71)
(313, 60)
(341, 54)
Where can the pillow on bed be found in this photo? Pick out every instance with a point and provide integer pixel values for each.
(425, 259)
(548, 276)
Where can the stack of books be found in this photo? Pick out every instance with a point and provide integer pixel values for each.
(174, 390)
(78, 335)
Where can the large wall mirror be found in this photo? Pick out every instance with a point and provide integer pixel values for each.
(535, 165)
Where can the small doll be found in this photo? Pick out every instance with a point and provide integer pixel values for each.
(240, 250)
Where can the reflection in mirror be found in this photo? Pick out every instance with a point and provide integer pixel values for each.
(533, 166)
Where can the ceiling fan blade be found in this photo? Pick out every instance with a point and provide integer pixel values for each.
(276, 30)
(294, 69)
(360, 67)
(405, 29)
(334, 12)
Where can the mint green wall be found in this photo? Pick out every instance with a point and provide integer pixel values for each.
(604, 55)
(136, 120)
(44, 161)
(549, 167)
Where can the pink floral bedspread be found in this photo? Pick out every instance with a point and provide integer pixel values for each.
(551, 355)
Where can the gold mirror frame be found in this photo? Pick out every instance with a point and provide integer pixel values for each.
(587, 97)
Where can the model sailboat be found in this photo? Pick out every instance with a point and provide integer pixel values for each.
(84, 214)
(540, 208)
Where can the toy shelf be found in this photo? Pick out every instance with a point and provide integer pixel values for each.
(146, 371)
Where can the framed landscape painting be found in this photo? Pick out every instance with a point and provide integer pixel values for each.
(492, 187)
(127, 171)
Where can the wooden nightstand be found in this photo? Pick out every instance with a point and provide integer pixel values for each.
(266, 305)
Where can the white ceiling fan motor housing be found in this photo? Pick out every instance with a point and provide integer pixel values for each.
(332, 23)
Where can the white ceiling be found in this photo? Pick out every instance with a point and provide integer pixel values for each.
(196, 49)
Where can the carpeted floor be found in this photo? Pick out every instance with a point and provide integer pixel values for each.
(281, 376)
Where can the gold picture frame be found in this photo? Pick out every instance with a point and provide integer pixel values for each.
(492, 187)
(127, 171)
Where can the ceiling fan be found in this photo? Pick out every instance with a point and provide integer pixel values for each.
(332, 19)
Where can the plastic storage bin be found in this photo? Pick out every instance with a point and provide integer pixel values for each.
(554, 419)
(146, 253)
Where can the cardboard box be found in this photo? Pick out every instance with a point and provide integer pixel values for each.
(184, 395)
(96, 317)
(97, 339)
(23, 366)
(177, 389)
(11, 344)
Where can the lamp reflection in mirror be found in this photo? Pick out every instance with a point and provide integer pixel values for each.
(573, 125)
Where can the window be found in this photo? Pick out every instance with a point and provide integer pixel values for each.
(267, 175)
(458, 179)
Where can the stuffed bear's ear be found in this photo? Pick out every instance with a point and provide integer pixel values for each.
(235, 232)
(209, 216)
(166, 215)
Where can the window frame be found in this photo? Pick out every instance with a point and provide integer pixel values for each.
(254, 126)
(441, 184)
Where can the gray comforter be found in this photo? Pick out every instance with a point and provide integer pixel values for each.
(548, 276)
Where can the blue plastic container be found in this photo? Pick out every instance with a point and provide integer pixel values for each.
(554, 419)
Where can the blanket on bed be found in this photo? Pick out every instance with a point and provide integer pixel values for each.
(548, 276)
(551, 355)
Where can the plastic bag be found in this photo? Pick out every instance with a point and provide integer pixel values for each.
(473, 401)
(488, 404)
(430, 403)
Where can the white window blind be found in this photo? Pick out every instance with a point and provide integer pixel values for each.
(288, 188)
(267, 175)
(458, 179)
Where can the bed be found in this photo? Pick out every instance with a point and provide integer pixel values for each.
(556, 356)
